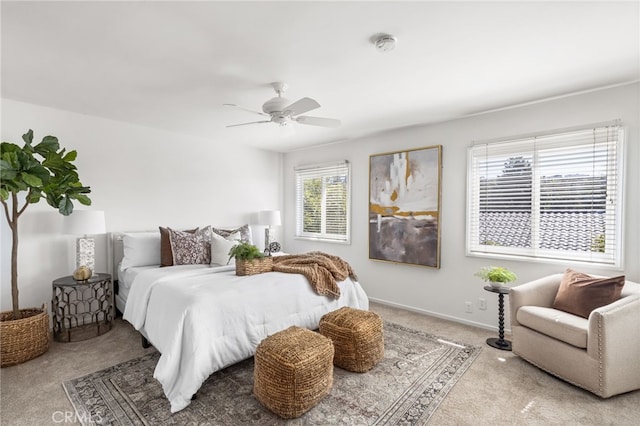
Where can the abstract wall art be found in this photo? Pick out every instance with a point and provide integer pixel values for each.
(404, 206)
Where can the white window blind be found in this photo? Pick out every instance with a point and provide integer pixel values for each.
(323, 202)
(556, 196)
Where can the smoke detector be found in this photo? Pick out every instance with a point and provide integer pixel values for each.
(385, 42)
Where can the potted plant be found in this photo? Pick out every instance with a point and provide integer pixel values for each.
(496, 275)
(41, 171)
(249, 259)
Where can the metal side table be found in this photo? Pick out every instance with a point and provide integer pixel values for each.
(82, 309)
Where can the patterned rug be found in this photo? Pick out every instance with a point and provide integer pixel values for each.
(406, 387)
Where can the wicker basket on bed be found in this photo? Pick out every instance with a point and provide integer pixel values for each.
(254, 266)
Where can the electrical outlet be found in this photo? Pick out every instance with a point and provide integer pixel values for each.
(482, 304)
(467, 307)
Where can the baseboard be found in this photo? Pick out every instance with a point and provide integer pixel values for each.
(438, 315)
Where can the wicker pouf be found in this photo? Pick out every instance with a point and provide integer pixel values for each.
(293, 371)
(357, 336)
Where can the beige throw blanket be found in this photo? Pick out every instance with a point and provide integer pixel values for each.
(321, 269)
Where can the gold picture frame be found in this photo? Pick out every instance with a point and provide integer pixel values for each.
(404, 206)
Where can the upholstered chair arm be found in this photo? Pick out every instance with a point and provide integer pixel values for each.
(614, 329)
(540, 292)
(614, 341)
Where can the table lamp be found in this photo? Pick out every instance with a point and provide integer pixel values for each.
(85, 222)
(269, 218)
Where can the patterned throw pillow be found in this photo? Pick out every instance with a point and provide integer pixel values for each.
(191, 249)
(166, 255)
(244, 230)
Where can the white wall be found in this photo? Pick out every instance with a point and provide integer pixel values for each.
(443, 291)
(141, 178)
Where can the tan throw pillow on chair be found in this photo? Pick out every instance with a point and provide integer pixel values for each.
(579, 293)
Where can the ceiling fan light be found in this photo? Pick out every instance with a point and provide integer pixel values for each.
(275, 104)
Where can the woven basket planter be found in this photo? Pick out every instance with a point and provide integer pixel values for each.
(254, 266)
(25, 338)
(293, 371)
(357, 336)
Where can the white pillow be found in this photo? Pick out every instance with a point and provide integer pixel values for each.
(244, 230)
(220, 249)
(140, 249)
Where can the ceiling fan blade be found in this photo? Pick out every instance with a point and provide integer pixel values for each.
(246, 109)
(318, 121)
(246, 124)
(301, 106)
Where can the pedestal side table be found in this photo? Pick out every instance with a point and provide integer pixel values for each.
(500, 342)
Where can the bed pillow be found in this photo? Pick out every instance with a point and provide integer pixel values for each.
(140, 249)
(191, 248)
(220, 249)
(244, 230)
(579, 293)
(166, 255)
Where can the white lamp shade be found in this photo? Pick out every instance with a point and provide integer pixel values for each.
(85, 222)
(269, 218)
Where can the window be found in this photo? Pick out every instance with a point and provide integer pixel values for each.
(556, 196)
(323, 202)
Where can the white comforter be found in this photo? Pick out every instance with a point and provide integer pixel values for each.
(203, 319)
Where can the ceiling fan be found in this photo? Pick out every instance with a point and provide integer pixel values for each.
(282, 112)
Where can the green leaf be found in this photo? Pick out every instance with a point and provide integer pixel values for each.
(9, 147)
(28, 137)
(48, 145)
(4, 194)
(6, 171)
(83, 199)
(34, 197)
(31, 180)
(39, 171)
(70, 156)
(66, 206)
(54, 162)
(11, 157)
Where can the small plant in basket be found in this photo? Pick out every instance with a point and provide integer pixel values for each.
(249, 259)
(245, 251)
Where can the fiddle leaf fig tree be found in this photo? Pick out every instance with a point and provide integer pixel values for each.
(39, 171)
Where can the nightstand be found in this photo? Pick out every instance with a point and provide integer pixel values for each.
(82, 309)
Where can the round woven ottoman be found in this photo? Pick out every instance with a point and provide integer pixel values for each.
(293, 371)
(357, 337)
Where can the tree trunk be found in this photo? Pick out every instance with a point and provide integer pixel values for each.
(13, 223)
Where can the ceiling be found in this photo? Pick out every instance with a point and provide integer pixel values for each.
(171, 65)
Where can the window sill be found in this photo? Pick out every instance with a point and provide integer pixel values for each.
(564, 262)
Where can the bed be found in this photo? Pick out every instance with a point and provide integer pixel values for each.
(203, 318)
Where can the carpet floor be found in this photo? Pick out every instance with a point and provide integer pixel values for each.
(405, 387)
(498, 389)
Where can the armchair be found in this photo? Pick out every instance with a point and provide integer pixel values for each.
(600, 354)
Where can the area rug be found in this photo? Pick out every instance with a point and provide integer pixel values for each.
(406, 387)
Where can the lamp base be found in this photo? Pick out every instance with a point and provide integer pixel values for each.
(82, 273)
(85, 252)
(267, 240)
